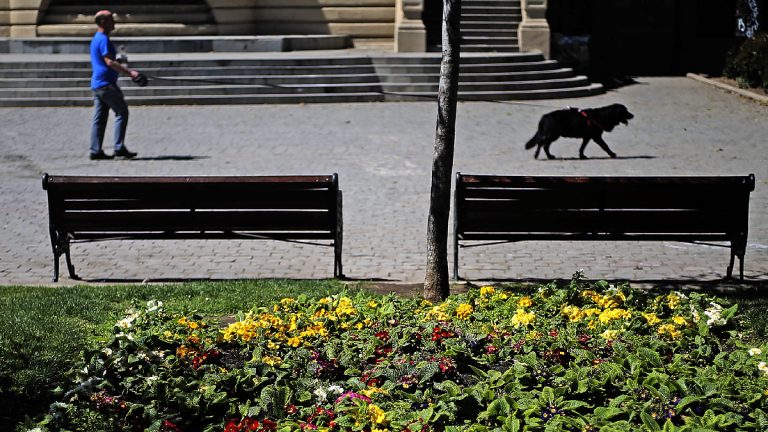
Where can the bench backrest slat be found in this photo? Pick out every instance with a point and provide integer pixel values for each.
(298, 221)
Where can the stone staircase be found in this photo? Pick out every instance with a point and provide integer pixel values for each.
(490, 25)
(133, 17)
(253, 79)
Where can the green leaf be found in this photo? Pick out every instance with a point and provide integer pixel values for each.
(499, 407)
(649, 422)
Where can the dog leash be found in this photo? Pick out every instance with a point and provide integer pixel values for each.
(143, 79)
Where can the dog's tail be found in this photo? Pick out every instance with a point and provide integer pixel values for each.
(532, 142)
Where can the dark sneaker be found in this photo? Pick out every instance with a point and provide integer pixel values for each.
(100, 156)
(125, 153)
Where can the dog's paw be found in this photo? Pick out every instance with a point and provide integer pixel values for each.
(612, 155)
(583, 156)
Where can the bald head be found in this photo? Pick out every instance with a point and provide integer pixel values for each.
(101, 16)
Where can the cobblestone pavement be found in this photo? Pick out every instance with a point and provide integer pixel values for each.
(382, 152)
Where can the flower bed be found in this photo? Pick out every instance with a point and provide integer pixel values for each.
(576, 357)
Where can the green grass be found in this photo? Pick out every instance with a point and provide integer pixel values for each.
(44, 330)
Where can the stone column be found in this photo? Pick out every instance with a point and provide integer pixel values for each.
(533, 33)
(410, 33)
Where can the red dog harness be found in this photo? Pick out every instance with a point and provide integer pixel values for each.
(590, 121)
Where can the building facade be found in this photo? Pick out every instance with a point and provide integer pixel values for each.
(627, 37)
(395, 24)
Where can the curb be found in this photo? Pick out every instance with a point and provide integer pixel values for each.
(741, 92)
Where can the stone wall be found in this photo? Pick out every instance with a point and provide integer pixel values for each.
(18, 18)
(356, 18)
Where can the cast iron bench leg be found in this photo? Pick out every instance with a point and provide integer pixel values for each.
(70, 267)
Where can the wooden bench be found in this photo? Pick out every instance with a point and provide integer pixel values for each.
(501, 209)
(303, 209)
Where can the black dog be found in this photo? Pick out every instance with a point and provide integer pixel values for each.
(588, 124)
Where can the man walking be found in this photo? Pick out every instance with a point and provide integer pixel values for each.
(106, 94)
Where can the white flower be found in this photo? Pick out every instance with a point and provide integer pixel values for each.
(321, 394)
(336, 389)
(154, 305)
(714, 313)
(695, 314)
(128, 336)
(762, 367)
(107, 351)
(126, 322)
(754, 351)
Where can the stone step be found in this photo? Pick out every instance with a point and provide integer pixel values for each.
(291, 70)
(179, 44)
(491, 3)
(485, 10)
(486, 32)
(489, 25)
(493, 17)
(303, 88)
(83, 81)
(394, 96)
(488, 40)
(223, 79)
(268, 61)
(130, 29)
(491, 48)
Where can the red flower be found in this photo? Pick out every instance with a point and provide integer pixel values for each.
(169, 426)
(490, 349)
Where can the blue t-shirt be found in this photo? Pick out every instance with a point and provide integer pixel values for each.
(102, 47)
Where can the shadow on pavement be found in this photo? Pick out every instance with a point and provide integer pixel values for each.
(730, 286)
(600, 158)
(170, 158)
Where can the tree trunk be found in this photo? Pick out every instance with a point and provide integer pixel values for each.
(436, 285)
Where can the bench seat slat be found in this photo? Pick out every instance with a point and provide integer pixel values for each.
(208, 235)
(202, 221)
(530, 200)
(598, 221)
(294, 200)
(588, 236)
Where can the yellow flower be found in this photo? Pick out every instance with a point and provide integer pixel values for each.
(609, 334)
(679, 320)
(464, 311)
(609, 315)
(673, 300)
(272, 346)
(294, 342)
(503, 296)
(573, 313)
(372, 304)
(487, 290)
(651, 318)
(525, 302)
(377, 415)
(670, 330)
(522, 318)
(272, 360)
